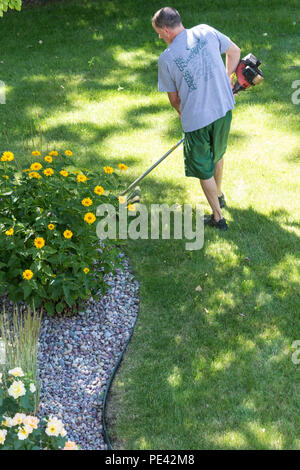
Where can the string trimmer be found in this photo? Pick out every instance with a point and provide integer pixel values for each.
(248, 74)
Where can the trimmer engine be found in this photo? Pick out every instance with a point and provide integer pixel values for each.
(247, 73)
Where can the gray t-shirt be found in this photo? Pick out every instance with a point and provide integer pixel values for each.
(193, 66)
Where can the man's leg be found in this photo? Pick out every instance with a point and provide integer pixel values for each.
(218, 173)
(209, 187)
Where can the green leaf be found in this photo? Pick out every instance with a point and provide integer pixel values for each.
(27, 288)
(60, 306)
(49, 250)
(24, 402)
(49, 306)
(67, 295)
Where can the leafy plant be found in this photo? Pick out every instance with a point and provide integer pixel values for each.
(50, 254)
(20, 429)
(13, 4)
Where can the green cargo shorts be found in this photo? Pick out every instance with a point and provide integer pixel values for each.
(205, 147)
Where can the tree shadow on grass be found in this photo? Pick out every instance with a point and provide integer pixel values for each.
(225, 377)
(95, 46)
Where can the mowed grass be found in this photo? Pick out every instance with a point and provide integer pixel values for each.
(210, 368)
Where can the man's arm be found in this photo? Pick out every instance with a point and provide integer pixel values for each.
(233, 55)
(174, 100)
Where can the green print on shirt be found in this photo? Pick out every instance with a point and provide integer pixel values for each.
(202, 69)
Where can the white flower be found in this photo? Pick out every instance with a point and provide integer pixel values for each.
(8, 422)
(32, 388)
(70, 445)
(31, 421)
(28, 428)
(55, 427)
(17, 389)
(18, 419)
(3, 433)
(23, 433)
(16, 372)
(1, 378)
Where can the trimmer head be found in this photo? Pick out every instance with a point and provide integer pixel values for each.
(135, 196)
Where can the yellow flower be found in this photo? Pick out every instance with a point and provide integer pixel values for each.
(68, 153)
(39, 242)
(35, 166)
(48, 159)
(70, 445)
(108, 169)
(50, 226)
(81, 178)
(86, 270)
(7, 156)
(68, 234)
(34, 174)
(16, 372)
(122, 199)
(64, 173)
(87, 202)
(99, 190)
(3, 433)
(27, 274)
(54, 153)
(36, 153)
(131, 207)
(25, 171)
(17, 389)
(9, 232)
(5, 176)
(48, 172)
(122, 166)
(89, 218)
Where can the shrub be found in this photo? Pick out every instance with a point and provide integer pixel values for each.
(20, 429)
(12, 4)
(50, 254)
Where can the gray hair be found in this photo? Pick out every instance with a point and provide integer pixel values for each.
(167, 16)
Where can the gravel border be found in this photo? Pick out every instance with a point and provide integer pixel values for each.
(78, 354)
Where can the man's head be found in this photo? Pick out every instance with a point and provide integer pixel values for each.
(167, 23)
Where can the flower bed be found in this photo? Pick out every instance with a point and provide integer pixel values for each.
(19, 428)
(49, 249)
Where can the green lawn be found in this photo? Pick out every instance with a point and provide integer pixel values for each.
(208, 369)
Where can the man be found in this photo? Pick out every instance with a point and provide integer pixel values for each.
(192, 72)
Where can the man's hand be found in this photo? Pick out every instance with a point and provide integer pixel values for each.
(231, 79)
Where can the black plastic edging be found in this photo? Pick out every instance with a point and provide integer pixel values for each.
(105, 433)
